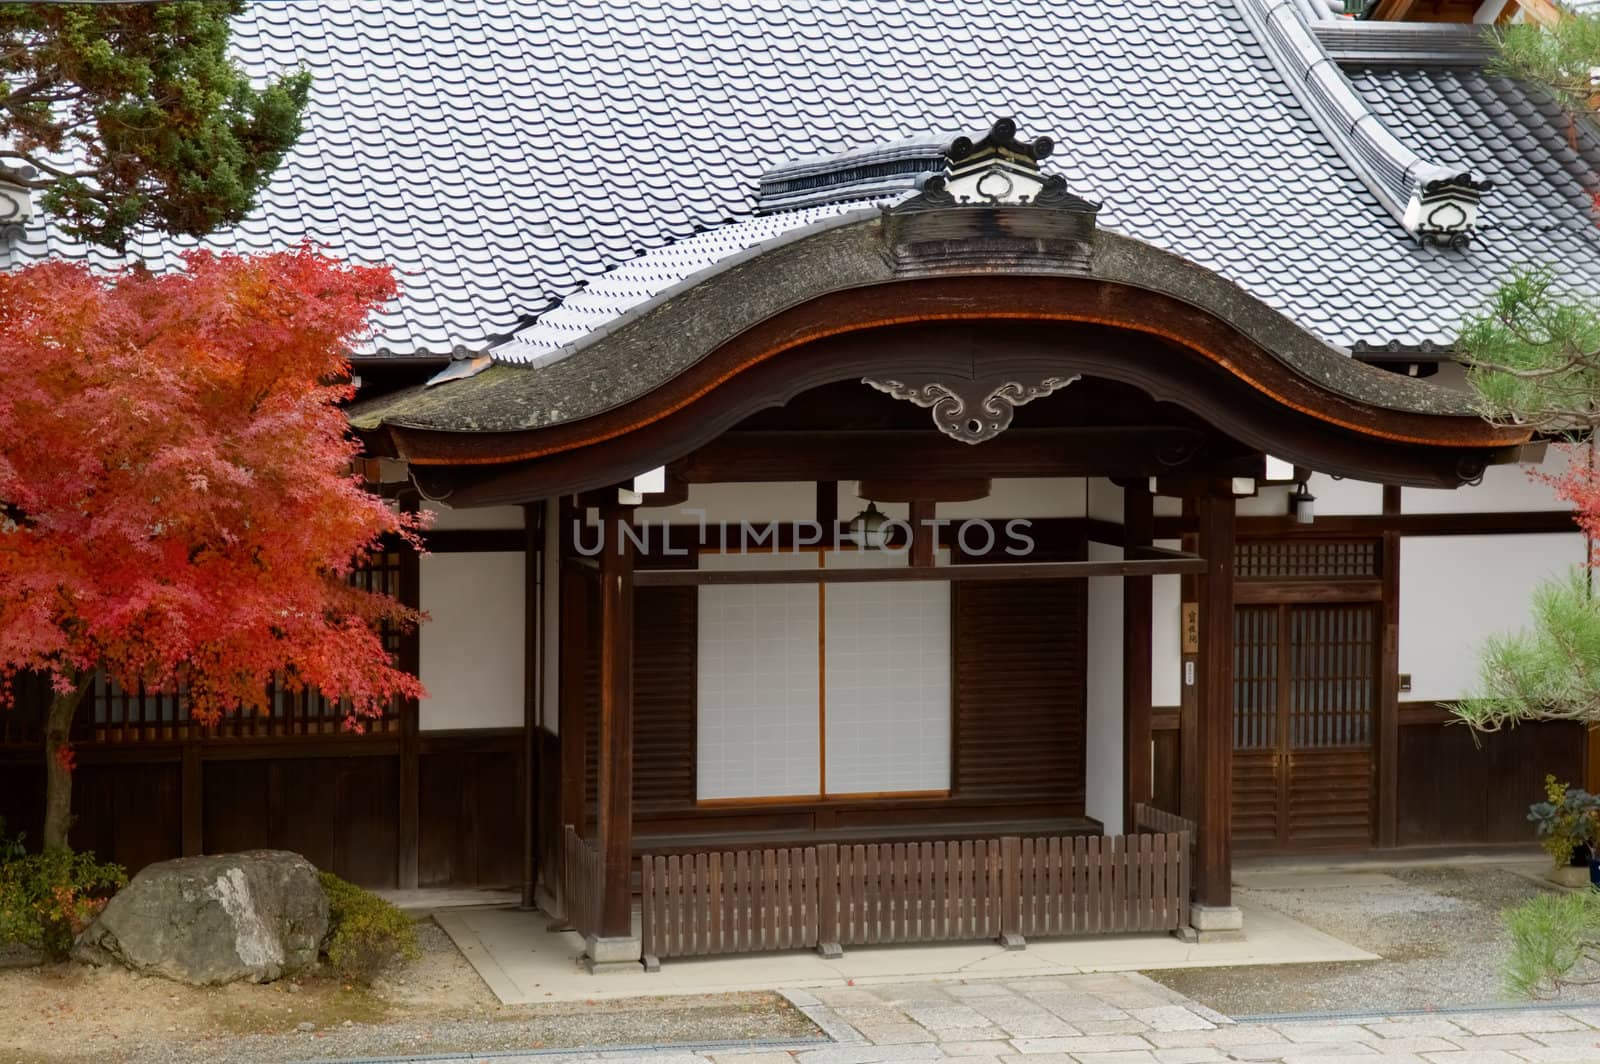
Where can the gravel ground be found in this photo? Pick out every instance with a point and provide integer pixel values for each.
(1436, 927)
(67, 1014)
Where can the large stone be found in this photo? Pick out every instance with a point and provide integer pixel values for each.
(254, 916)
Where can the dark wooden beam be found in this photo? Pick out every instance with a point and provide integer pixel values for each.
(1177, 564)
(1530, 522)
(1214, 519)
(897, 454)
(1138, 525)
(616, 726)
(1296, 591)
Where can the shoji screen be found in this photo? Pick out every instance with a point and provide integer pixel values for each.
(887, 686)
(759, 678)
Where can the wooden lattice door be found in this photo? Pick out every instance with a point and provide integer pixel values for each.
(1305, 702)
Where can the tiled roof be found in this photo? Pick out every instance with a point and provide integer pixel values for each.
(504, 155)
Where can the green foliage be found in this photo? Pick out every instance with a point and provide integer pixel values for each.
(366, 934)
(1548, 672)
(1566, 819)
(1555, 942)
(46, 899)
(1560, 57)
(1533, 354)
(133, 115)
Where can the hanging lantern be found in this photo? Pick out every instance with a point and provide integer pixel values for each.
(1302, 504)
(871, 527)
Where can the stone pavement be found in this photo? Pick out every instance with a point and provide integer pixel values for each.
(1125, 1018)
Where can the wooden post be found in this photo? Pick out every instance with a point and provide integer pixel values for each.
(1138, 526)
(1214, 513)
(616, 724)
(573, 636)
(532, 559)
(1388, 723)
(1188, 665)
(924, 537)
(408, 832)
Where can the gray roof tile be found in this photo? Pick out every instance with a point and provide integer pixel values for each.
(504, 155)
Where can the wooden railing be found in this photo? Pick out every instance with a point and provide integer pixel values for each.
(829, 896)
(582, 873)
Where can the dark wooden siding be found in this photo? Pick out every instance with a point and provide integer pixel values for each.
(338, 812)
(1019, 690)
(1458, 787)
(469, 812)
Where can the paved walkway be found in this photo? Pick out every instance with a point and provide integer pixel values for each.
(524, 964)
(1125, 1018)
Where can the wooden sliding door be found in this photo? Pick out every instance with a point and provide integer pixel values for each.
(1305, 710)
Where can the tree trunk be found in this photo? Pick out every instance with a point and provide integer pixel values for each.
(57, 777)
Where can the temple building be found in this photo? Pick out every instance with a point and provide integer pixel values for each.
(901, 471)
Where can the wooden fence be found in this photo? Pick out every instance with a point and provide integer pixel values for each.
(581, 873)
(828, 896)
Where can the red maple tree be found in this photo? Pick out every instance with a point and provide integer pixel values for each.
(177, 501)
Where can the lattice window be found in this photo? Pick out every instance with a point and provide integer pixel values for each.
(1306, 559)
(1255, 677)
(123, 716)
(1332, 675)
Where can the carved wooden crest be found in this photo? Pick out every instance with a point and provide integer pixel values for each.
(969, 410)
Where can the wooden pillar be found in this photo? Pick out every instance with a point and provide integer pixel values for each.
(573, 637)
(1138, 527)
(408, 832)
(924, 536)
(532, 641)
(1388, 730)
(1188, 665)
(616, 724)
(1214, 514)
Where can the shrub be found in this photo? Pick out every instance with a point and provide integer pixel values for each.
(1555, 942)
(47, 899)
(1568, 818)
(365, 934)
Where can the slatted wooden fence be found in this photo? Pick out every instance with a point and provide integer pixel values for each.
(829, 896)
(581, 875)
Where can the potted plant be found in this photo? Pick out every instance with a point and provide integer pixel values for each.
(1568, 823)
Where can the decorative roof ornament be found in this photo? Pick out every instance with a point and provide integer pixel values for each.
(1000, 170)
(970, 411)
(1444, 212)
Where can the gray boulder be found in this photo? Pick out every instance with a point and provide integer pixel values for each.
(254, 916)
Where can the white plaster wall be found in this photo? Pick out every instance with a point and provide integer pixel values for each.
(472, 643)
(1105, 500)
(550, 611)
(1457, 590)
(1103, 729)
(1504, 488)
(1166, 641)
(478, 517)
